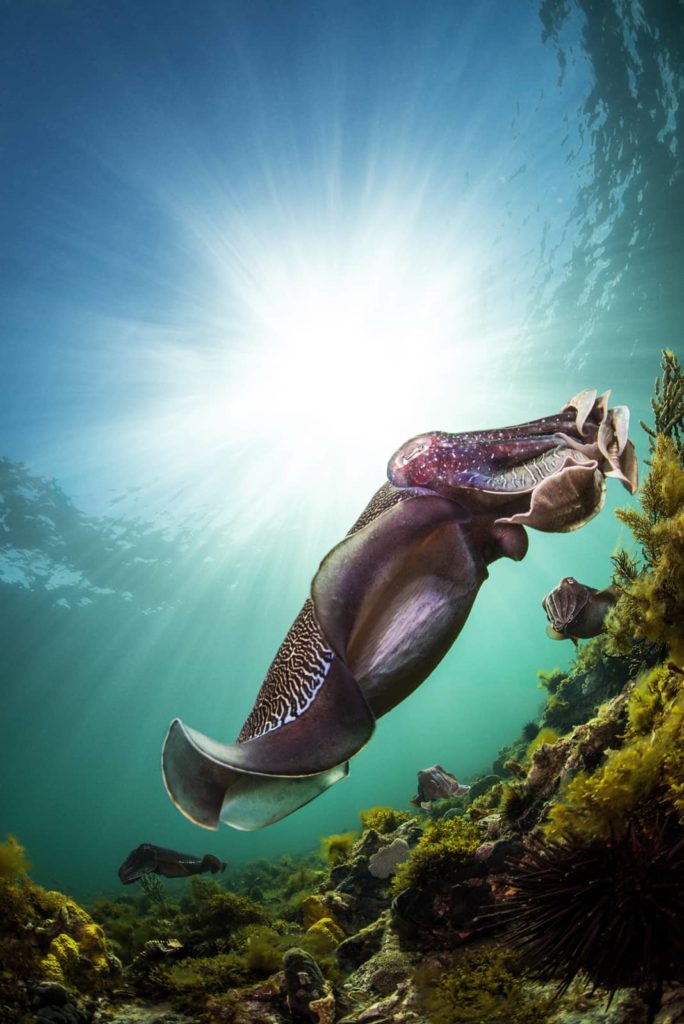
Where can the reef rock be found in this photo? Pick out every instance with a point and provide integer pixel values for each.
(309, 997)
(359, 948)
(382, 989)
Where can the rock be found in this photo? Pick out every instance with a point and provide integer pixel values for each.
(483, 785)
(382, 989)
(496, 856)
(49, 994)
(624, 1008)
(359, 948)
(309, 998)
(450, 910)
(67, 1013)
(401, 1007)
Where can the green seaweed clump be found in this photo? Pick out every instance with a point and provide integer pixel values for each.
(213, 913)
(190, 981)
(668, 404)
(383, 819)
(646, 771)
(485, 983)
(545, 735)
(337, 848)
(12, 860)
(46, 937)
(446, 846)
(651, 605)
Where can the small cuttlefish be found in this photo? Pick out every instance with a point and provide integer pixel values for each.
(576, 611)
(148, 859)
(436, 784)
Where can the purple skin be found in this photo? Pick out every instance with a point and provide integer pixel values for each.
(547, 473)
(436, 784)
(575, 611)
(148, 859)
(391, 598)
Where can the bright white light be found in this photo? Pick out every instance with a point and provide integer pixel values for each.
(345, 351)
(324, 352)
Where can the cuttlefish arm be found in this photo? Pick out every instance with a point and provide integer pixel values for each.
(547, 474)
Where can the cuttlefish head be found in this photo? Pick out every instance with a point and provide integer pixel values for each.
(547, 473)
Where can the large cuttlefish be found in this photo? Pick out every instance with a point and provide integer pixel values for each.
(388, 602)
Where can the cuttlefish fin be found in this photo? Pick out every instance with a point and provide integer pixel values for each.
(261, 780)
(360, 574)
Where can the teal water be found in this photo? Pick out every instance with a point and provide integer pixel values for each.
(249, 249)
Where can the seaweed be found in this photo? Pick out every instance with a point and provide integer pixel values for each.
(545, 735)
(647, 770)
(12, 859)
(383, 819)
(650, 609)
(651, 605)
(337, 848)
(46, 936)
(446, 845)
(668, 404)
(485, 983)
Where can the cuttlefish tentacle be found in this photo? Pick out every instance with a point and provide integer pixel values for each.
(547, 473)
(391, 598)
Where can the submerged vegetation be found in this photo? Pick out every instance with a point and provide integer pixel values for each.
(562, 865)
(445, 846)
(484, 983)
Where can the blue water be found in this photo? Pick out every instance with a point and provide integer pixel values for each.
(247, 250)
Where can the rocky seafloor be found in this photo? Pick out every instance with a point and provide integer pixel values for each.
(552, 891)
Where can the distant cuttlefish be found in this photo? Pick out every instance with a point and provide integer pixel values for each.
(388, 602)
(436, 783)
(148, 859)
(576, 611)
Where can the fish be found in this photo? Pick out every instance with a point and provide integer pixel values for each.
(389, 600)
(148, 859)
(576, 611)
(436, 784)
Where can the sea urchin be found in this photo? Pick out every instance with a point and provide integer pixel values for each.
(609, 909)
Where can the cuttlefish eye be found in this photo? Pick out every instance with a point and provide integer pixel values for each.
(412, 450)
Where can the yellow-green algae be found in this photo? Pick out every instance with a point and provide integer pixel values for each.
(445, 846)
(13, 861)
(383, 819)
(484, 984)
(337, 848)
(46, 936)
(646, 772)
(545, 735)
(651, 605)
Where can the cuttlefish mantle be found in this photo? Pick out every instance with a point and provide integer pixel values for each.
(389, 600)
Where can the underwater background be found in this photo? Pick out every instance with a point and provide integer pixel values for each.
(248, 249)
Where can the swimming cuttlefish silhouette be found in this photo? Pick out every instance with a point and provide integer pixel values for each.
(388, 602)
